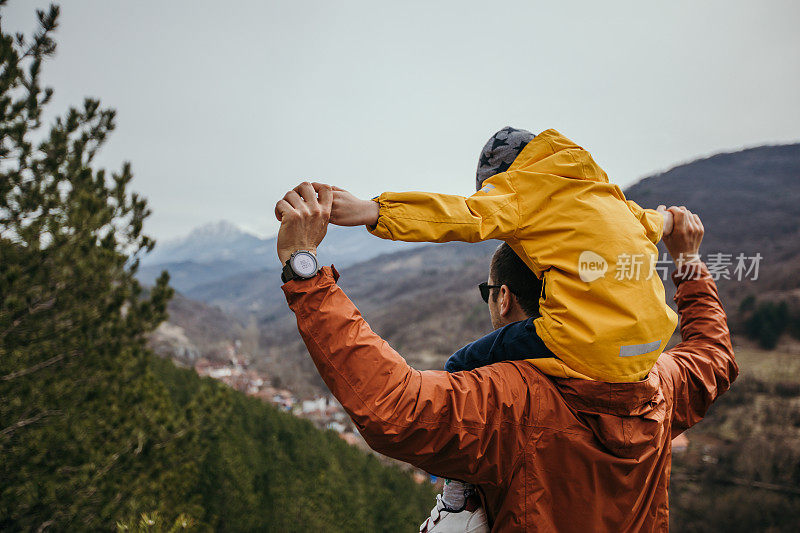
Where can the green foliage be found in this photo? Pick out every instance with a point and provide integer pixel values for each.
(255, 468)
(94, 429)
(765, 322)
(748, 304)
(154, 522)
(732, 509)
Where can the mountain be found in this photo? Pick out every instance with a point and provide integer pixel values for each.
(198, 330)
(221, 249)
(218, 241)
(749, 202)
(401, 294)
(425, 302)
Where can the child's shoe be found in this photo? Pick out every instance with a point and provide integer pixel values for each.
(470, 519)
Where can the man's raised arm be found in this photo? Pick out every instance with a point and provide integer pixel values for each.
(702, 366)
(463, 425)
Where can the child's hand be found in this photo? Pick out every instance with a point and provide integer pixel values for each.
(348, 210)
(668, 220)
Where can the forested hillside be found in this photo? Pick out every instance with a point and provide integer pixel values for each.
(150, 437)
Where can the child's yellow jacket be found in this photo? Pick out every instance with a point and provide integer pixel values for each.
(603, 309)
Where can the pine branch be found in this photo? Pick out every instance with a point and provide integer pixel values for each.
(40, 306)
(36, 367)
(26, 422)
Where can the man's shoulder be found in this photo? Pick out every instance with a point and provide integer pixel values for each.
(517, 378)
(522, 368)
(666, 367)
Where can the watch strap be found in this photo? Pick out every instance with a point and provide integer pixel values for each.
(287, 274)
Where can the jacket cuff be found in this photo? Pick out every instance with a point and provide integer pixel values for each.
(660, 228)
(692, 271)
(296, 290)
(381, 229)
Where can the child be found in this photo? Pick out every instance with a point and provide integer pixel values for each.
(603, 310)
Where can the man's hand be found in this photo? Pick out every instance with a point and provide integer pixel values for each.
(683, 242)
(304, 219)
(347, 210)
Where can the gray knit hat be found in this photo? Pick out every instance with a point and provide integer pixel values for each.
(500, 151)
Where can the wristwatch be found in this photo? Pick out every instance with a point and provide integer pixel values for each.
(301, 265)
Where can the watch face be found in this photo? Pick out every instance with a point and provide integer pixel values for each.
(304, 264)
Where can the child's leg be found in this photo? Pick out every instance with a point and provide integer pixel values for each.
(513, 342)
(509, 343)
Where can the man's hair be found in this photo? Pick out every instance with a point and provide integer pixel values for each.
(508, 269)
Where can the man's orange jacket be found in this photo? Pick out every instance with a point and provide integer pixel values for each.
(549, 454)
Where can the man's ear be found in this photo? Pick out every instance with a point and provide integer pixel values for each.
(507, 299)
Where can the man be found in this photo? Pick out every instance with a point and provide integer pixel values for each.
(549, 454)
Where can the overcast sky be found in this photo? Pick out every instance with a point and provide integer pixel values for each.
(223, 106)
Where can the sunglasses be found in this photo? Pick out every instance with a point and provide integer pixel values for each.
(485, 288)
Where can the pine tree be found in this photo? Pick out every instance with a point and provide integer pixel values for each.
(78, 402)
(95, 431)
